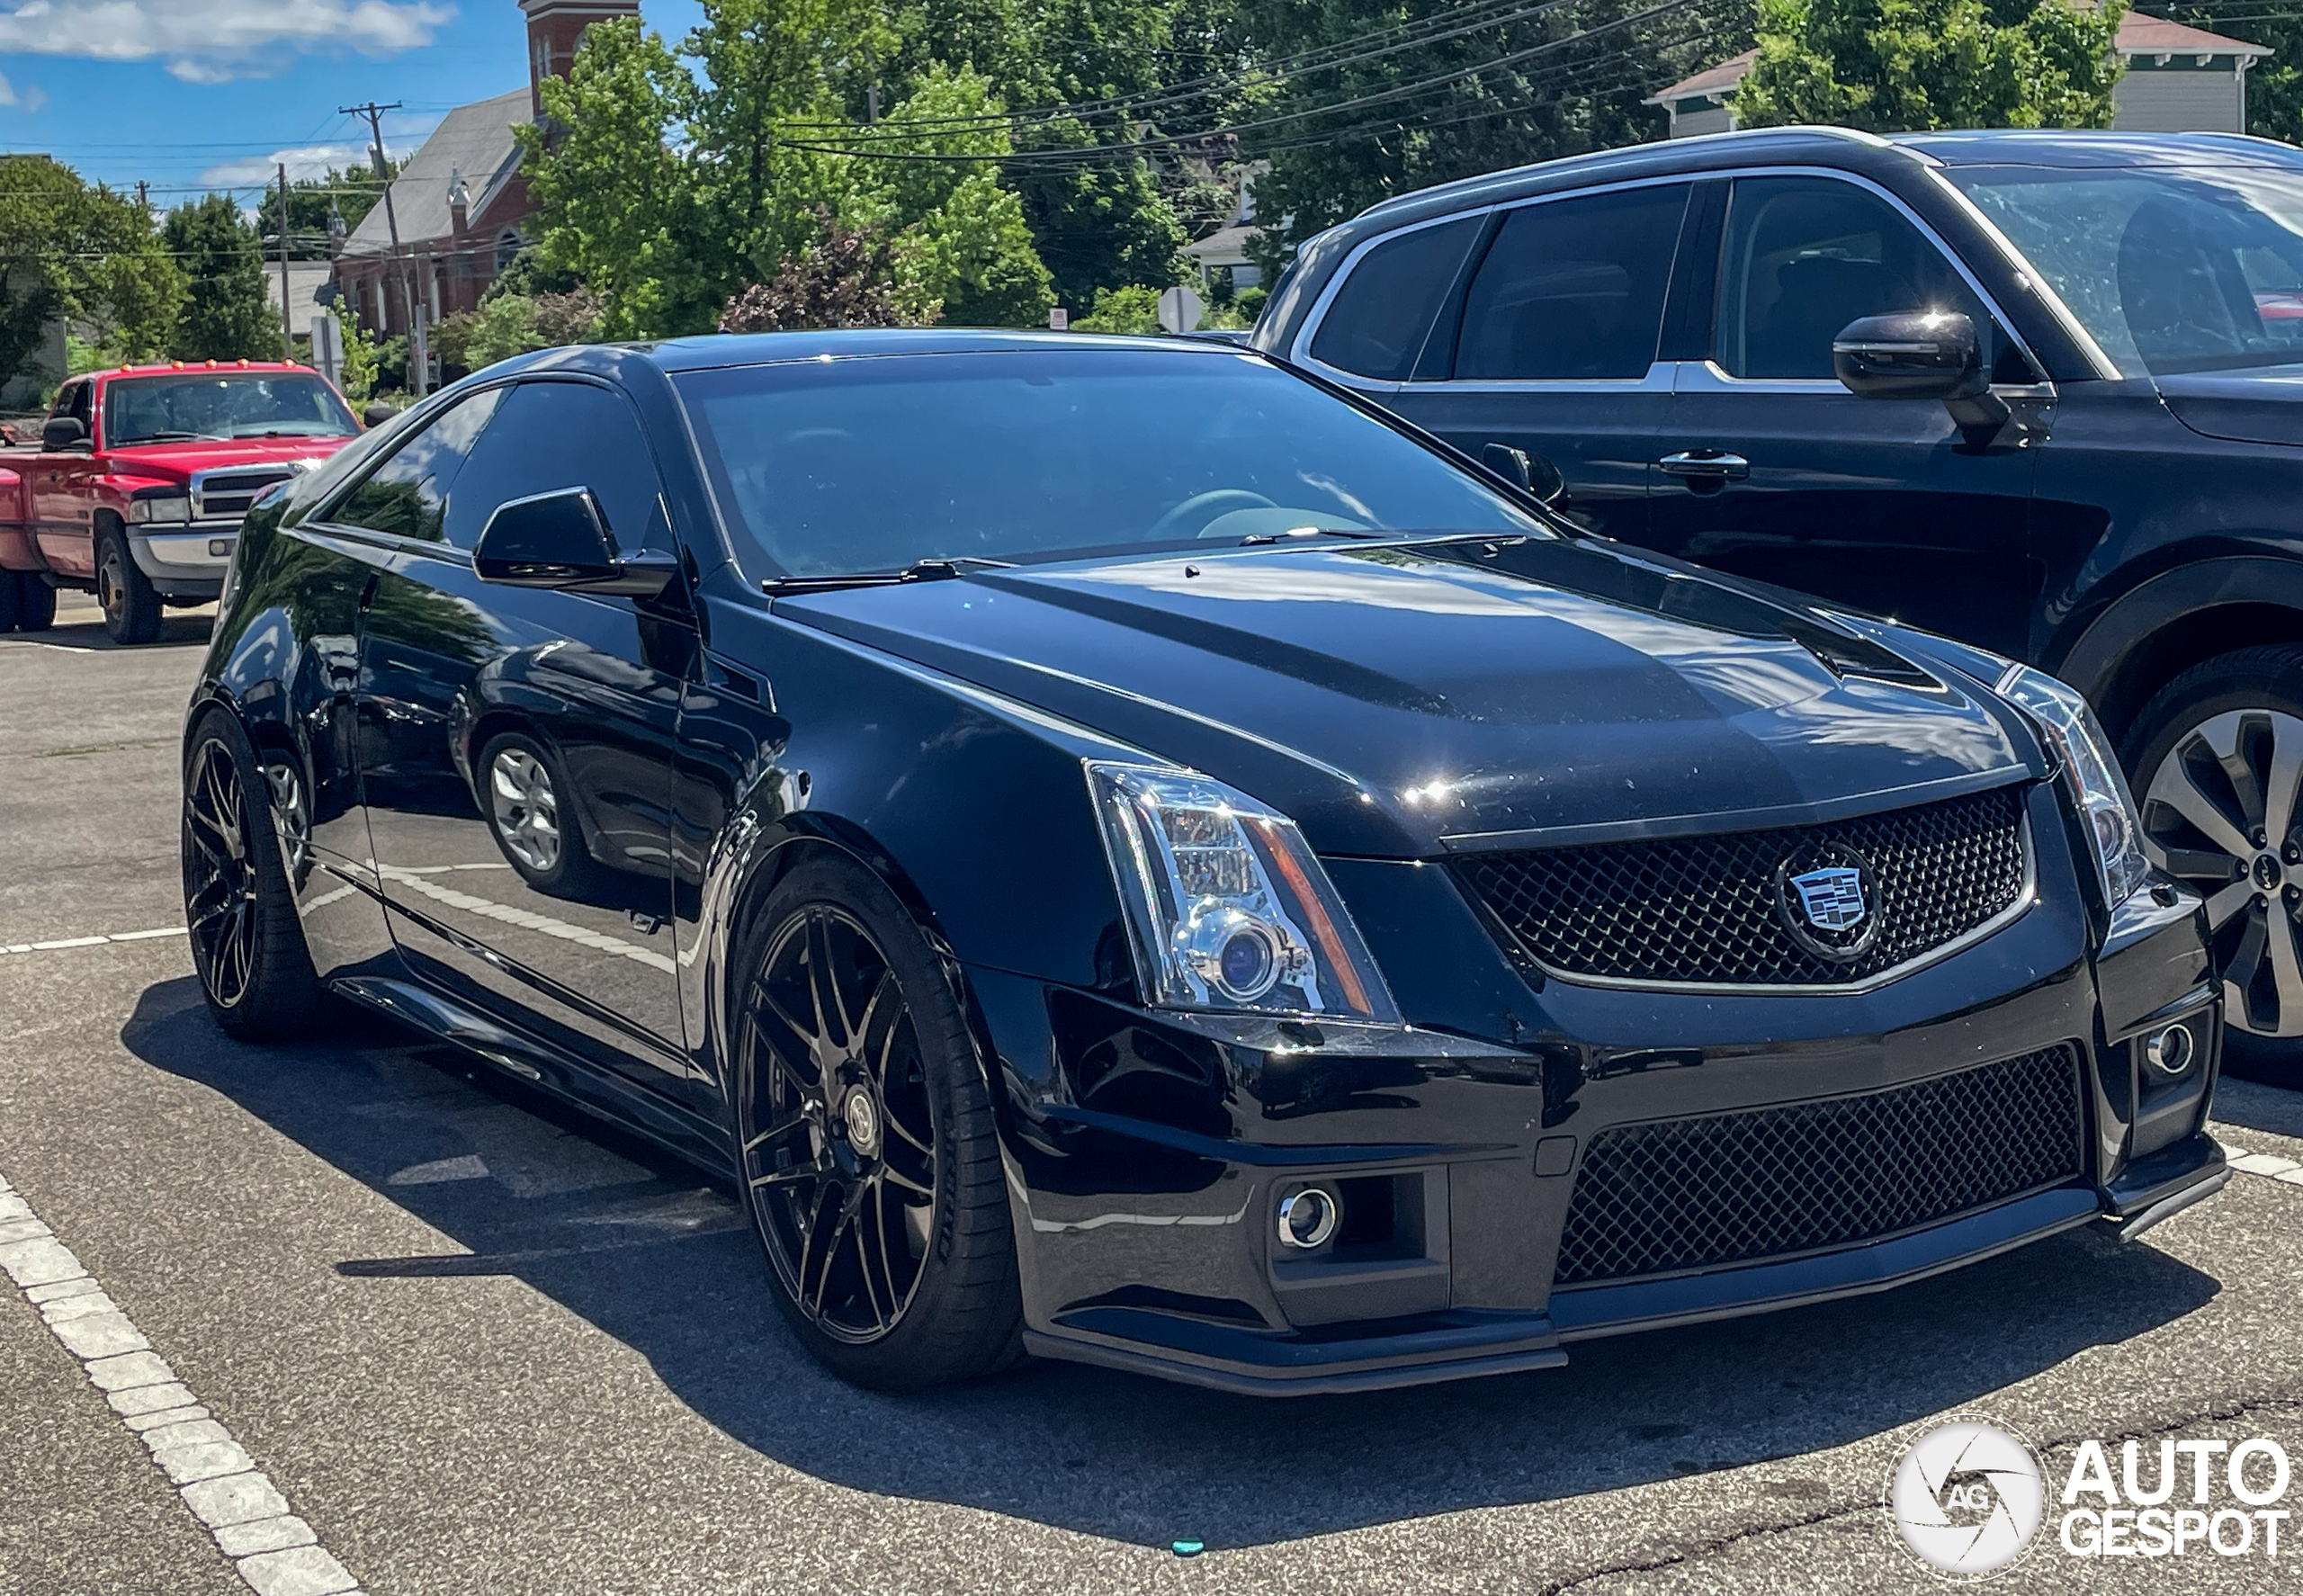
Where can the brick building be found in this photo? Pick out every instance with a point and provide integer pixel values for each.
(461, 203)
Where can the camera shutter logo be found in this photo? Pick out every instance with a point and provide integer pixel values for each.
(1967, 1498)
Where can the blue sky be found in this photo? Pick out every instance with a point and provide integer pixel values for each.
(188, 95)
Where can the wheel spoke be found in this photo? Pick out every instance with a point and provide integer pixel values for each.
(781, 1127)
(2232, 900)
(887, 1271)
(870, 1219)
(813, 1169)
(883, 992)
(2285, 778)
(892, 1173)
(799, 1034)
(823, 987)
(2286, 972)
(2173, 786)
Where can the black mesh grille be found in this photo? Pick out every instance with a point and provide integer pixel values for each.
(230, 493)
(1705, 909)
(1690, 1194)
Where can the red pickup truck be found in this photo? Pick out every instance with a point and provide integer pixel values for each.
(141, 478)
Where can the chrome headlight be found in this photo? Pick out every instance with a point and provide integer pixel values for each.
(2092, 771)
(168, 507)
(1226, 907)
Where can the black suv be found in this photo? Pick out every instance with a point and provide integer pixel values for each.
(2041, 392)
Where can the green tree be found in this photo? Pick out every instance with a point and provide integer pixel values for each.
(1901, 65)
(87, 255)
(1406, 95)
(619, 205)
(225, 316)
(1134, 308)
(360, 363)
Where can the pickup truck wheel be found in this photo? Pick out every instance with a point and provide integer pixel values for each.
(132, 608)
(35, 602)
(2218, 761)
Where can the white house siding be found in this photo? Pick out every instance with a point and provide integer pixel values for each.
(1705, 119)
(2176, 100)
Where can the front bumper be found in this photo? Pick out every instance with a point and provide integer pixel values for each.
(185, 562)
(1147, 1154)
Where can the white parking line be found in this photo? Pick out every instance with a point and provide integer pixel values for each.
(275, 1552)
(64, 942)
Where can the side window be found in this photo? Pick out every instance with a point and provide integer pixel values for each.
(1375, 327)
(407, 495)
(564, 435)
(1803, 256)
(1573, 288)
(83, 406)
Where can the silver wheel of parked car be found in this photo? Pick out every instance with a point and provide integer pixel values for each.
(2219, 803)
(527, 809)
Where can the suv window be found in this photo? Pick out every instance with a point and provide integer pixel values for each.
(1376, 325)
(407, 495)
(1573, 288)
(1803, 256)
(552, 435)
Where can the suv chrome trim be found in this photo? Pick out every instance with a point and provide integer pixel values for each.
(2029, 276)
(1299, 352)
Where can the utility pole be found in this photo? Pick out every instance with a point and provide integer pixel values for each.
(144, 198)
(287, 311)
(375, 116)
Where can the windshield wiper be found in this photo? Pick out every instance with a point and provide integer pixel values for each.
(1254, 539)
(919, 570)
(167, 437)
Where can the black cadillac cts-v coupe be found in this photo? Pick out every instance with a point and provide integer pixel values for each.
(1121, 852)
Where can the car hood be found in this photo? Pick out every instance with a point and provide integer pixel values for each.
(2260, 405)
(1401, 699)
(178, 460)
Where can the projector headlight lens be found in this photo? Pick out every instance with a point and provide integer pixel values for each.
(1226, 906)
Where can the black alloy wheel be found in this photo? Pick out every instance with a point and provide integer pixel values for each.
(132, 608)
(2218, 760)
(247, 946)
(869, 1163)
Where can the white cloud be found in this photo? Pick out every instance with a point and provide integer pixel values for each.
(28, 100)
(311, 160)
(214, 41)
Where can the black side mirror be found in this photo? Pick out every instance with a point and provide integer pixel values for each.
(63, 432)
(375, 416)
(1530, 473)
(561, 540)
(1918, 354)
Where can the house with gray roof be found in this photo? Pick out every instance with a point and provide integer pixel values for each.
(461, 205)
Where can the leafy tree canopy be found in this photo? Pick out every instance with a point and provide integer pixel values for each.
(225, 316)
(1903, 66)
(348, 192)
(89, 255)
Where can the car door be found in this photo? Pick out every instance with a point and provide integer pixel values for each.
(1552, 345)
(62, 525)
(516, 743)
(1771, 469)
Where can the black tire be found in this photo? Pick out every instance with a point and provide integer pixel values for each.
(131, 607)
(247, 944)
(2207, 757)
(943, 1305)
(12, 603)
(537, 828)
(35, 602)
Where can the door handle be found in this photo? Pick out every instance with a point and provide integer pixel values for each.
(1705, 462)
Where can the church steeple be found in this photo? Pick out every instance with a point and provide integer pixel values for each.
(555, 28)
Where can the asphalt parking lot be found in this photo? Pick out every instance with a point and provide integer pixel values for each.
(478, 1343)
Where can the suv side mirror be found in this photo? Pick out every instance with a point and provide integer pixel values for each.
(61, 433)
(1530, 473)
(1920, 355)
(375, 416)
(561, 540)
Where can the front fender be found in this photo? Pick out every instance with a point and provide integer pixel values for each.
(973, 807)
(2097, 659)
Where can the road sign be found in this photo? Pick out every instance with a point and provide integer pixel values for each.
(1180, 310)
(327, 347)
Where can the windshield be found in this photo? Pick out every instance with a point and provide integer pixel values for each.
(2188, 269)
(835, 467)
(218, 405)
